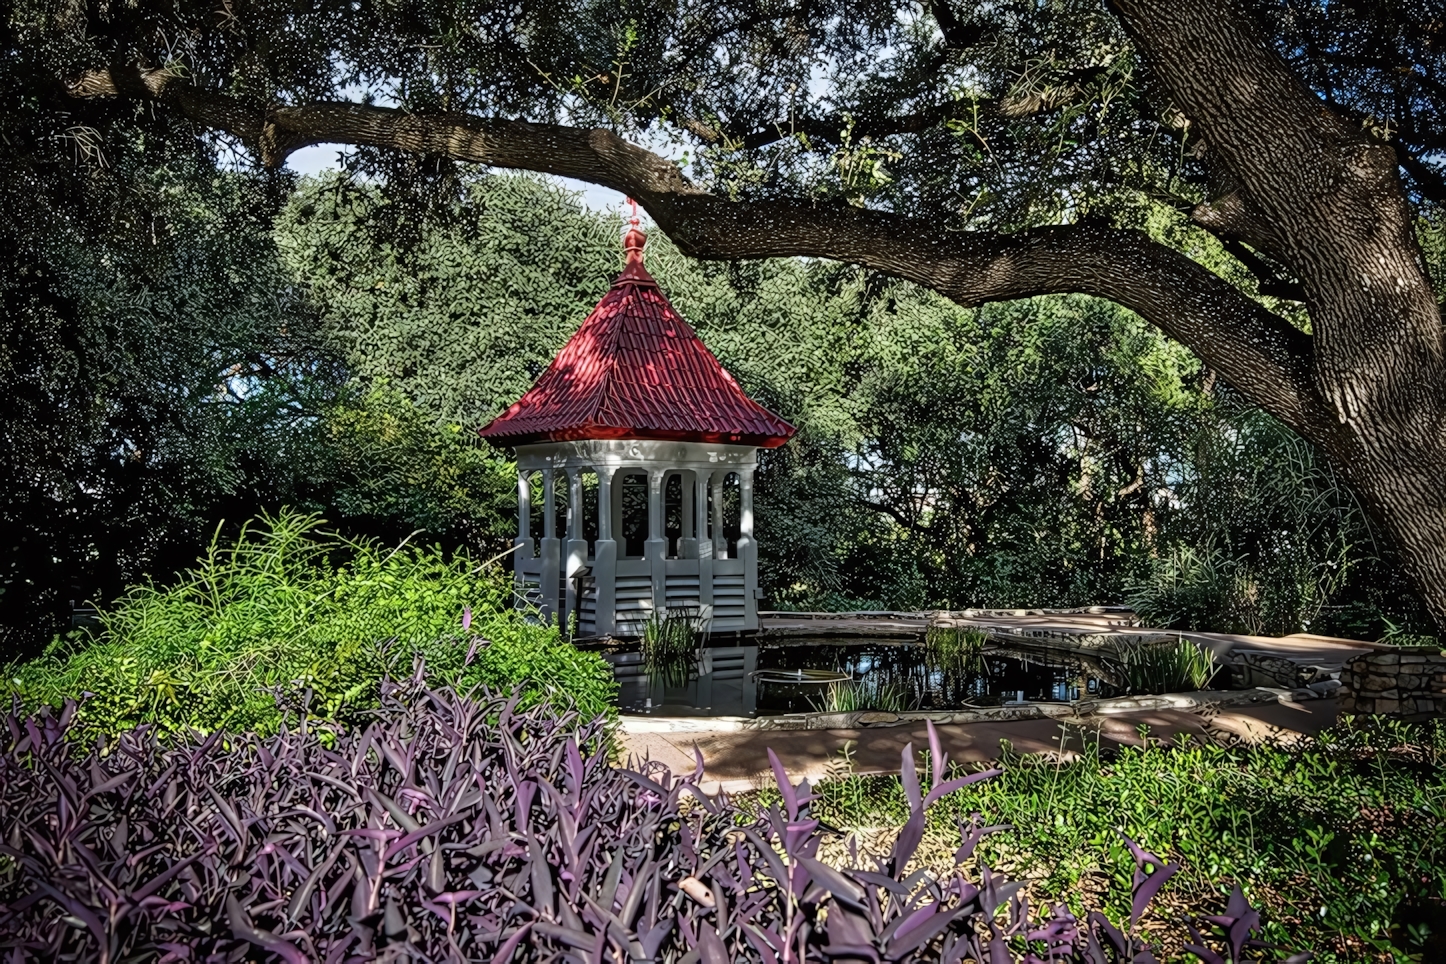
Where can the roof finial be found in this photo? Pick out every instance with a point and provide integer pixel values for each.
(634, 240)
(633, 243)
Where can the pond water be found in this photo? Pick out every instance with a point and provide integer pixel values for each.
(793, 674)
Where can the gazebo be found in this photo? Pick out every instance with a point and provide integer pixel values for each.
(654, 446)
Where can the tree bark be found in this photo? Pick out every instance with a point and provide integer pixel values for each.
(1318, 194)
(1292, 179)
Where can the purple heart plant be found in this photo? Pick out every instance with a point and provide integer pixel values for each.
(458, 828)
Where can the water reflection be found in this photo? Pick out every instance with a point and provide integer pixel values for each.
(745, 680)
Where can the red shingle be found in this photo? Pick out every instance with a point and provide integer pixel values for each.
(636, 370)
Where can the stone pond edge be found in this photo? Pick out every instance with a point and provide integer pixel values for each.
(1080, 710)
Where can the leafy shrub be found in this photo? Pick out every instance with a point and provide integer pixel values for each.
(670, 643)
(1342, 839)
(1401, 636)
(454, 829)
(1166, 667)
(865, 694)
(1189, 588)
(388, 462)
(956, 645)
(674, 631)
(290, 607)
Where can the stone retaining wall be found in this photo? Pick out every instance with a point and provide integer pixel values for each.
(1401, 683)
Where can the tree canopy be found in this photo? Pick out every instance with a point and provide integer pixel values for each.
(1049, 452)
(1260, 179)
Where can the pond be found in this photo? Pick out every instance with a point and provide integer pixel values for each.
(796, 674)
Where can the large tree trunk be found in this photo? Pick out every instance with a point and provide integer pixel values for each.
(1405, 490)
(1292, 179)
(1302, 184)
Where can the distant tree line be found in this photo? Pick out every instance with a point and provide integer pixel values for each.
(227, 342)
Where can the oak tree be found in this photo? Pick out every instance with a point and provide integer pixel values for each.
(988, 151)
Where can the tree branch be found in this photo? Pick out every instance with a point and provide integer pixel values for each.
(1413, 143)
(957, 36)
(1430, 182)
(1302, 184)
(1268, 280)
(897, 514)
(1261, 354)
(830, 129)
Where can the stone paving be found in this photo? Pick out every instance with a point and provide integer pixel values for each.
(737, 760)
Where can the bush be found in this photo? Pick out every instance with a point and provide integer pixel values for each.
(1180, 666)
(1189, 588)
(865, 694)
(289, 609)
(453, 829)
(676, 631)
(959, 646)
(1340, 840)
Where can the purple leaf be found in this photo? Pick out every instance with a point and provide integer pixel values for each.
(241, 927)
(909, 777)
(1146, 887)
(834, 882)
(949, 786)
(785, 787)
(462, 825)
(711, 946)
(938, 759)
(509, 946)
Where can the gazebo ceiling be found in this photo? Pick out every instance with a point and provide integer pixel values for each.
(636, 370)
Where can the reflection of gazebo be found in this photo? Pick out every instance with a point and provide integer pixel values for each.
(655, 445)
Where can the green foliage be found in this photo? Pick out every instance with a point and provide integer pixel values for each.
(866, 694)
(289, 609)
(1051, 452)
(1046, 88)
(392, 468)
(1397, 635)
(674, 631)
(1341, 839)
(1042, 453)
(1180, 666)
(157, 369)
(955, 644)
(1187, 587)
(1270, 538)
(670, 643)
(456, 313)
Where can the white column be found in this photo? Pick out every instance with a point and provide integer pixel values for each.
(720, 541)
(551, 550)
(701, 481)
(524, 516)
(688, 538)
(522, 545)
(656, 548)
(576, 545)
(620, 477)
(747, 548)
(605, 558)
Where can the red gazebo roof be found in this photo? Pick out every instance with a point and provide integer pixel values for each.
(636, 370)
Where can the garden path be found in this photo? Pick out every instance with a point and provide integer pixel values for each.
(737, 761)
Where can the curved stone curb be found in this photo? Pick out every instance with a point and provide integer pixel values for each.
(1079, 712)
